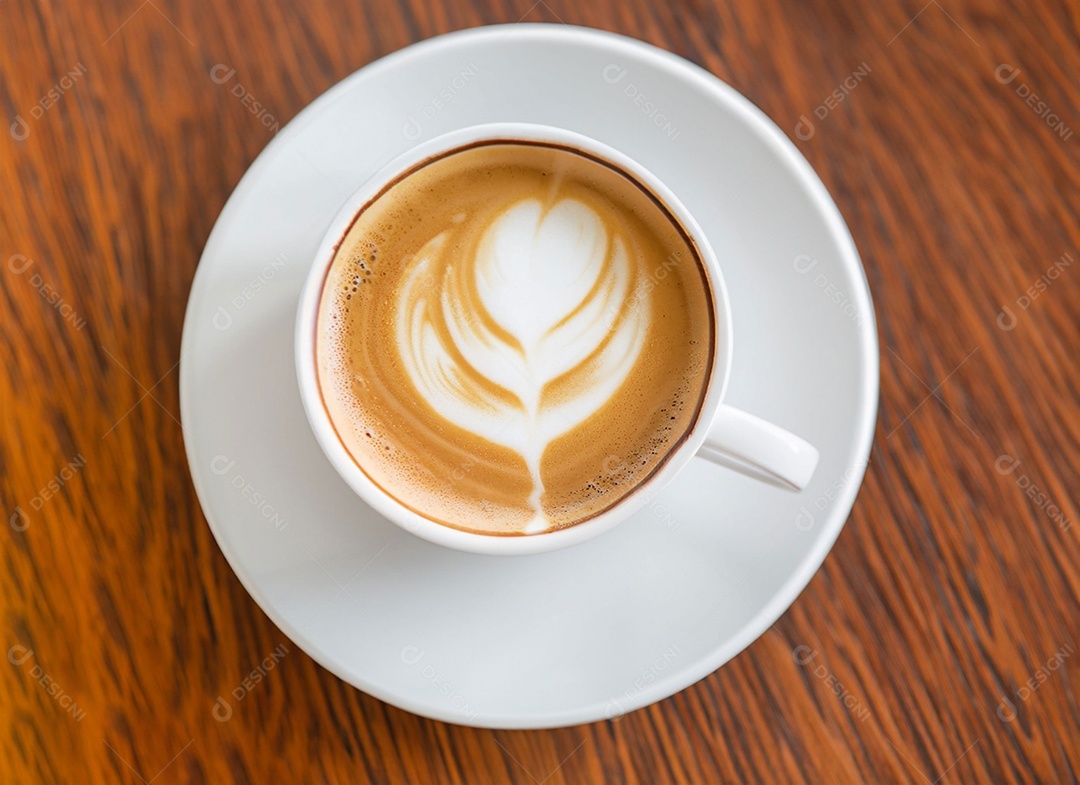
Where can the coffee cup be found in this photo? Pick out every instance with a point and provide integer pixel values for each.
(710, 428)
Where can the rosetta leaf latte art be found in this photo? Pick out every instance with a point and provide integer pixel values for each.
(548, 294)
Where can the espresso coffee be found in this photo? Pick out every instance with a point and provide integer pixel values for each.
(513, 337)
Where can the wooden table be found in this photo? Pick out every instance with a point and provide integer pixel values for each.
(946, 620)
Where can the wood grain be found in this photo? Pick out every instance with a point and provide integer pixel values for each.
(953, 585)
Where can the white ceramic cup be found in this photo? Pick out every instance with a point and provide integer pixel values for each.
(721, 434)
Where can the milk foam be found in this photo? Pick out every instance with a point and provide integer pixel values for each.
(513, 338)
(549, 291)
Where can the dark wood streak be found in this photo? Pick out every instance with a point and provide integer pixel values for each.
(948, 589)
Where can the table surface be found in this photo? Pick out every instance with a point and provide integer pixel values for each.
(946, 618)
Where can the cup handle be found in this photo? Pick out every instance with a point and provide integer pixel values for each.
(759, 449)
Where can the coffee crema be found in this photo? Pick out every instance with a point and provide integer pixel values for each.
(513, 337)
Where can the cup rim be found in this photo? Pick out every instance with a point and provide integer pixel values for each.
(349, 469)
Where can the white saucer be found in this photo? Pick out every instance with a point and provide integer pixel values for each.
(636, 614)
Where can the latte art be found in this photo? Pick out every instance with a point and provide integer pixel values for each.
(547, 295)
(513, 337)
